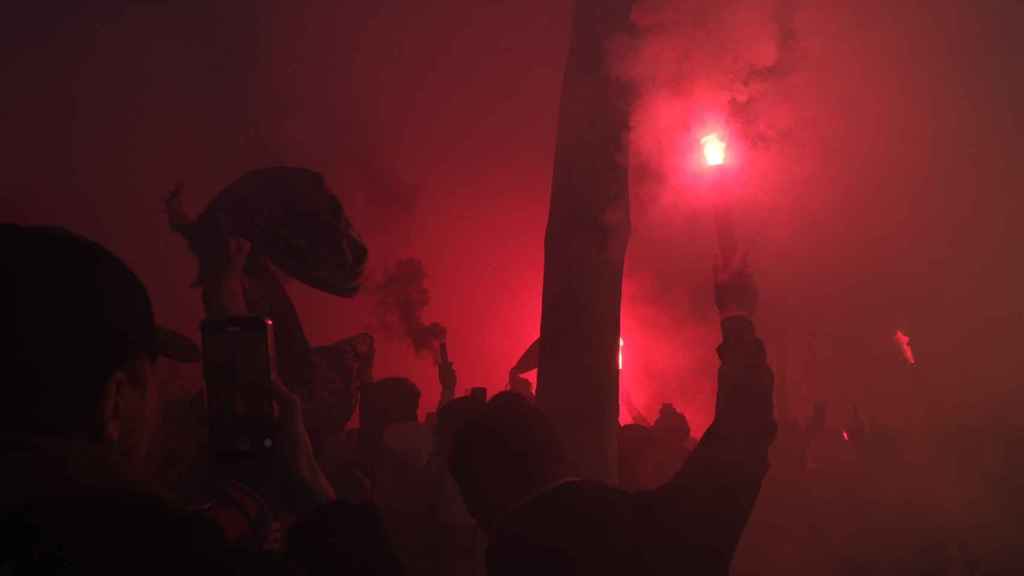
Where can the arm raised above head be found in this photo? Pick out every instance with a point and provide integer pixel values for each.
(706, 506)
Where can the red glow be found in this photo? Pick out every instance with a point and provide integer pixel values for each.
(621, 344)
(904, 342)
(846, 436)
(714, 149)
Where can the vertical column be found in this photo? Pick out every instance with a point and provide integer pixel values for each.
(585, 246)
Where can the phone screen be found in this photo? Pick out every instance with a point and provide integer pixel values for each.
(238, 369)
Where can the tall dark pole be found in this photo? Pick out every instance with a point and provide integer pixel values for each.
(585, 247)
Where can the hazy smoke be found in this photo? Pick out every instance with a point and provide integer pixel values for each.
(701, 66)
(401, 298)
(695, 67)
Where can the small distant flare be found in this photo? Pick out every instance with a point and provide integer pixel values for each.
(904, 343)
(621, 344)
(714, 149)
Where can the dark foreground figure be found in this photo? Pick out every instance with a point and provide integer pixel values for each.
(81, 397)
(516, 481)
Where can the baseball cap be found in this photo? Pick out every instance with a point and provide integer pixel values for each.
(79, 314)
(69, 285)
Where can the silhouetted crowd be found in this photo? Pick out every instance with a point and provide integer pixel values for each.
(109, 466)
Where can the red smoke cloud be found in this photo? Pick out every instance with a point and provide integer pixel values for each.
(696, 68)
(700, 67)
(401, 298)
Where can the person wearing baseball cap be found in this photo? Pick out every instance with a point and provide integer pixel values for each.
(84, 346)
(80, 404)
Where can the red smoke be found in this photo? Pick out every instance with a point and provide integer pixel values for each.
(401, 298)
(704, 74)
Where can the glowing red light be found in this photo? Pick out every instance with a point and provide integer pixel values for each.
(621, 344)
(846, 436)
(714, 149)
(904, 342)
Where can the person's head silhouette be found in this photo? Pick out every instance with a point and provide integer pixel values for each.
(503, 456)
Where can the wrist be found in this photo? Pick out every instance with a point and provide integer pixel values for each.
(739, 328)
(232, 296)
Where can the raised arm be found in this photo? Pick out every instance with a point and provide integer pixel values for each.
(446, 376)
(705, 507)
(225, 294)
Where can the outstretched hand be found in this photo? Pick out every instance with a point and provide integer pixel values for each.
(735, 289)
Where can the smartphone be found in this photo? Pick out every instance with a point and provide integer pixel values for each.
(239, 368)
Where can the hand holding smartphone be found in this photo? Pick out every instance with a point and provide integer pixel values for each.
(238, 366)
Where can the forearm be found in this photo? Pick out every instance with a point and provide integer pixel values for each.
(744, 407)
(447, 378)
(717, 487)
(224, 297)
(447, 395)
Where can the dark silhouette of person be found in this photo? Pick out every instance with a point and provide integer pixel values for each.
(673, 422)
(384, 403)
(670, 446)
(636, 457)
(516, 480)
(450, 507)
(520, 385)
(458, 542)
(81, 399)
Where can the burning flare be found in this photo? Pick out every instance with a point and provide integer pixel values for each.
(621, 344)
(904, 343)
(714, 149)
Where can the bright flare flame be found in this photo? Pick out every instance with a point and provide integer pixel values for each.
(904, 343)
(621, 344)
(714, 149)
(846, 435)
